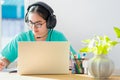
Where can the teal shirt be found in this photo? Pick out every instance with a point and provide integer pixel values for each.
(10, 51)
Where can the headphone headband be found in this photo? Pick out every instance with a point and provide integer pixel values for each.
(50, 10)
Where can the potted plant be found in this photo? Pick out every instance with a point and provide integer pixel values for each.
(100, 66)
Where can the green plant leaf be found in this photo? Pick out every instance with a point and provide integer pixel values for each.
(113, 43)
(106, 38)
(100, 49)
(105, 49)
(117, 31)
(86, 41)
(85, 49)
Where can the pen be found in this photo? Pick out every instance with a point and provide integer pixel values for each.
(13, 71)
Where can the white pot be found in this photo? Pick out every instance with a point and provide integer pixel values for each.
(100, 66)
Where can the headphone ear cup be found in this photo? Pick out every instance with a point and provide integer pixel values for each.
(51, 22)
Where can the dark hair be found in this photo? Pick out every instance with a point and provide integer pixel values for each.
(43, 12)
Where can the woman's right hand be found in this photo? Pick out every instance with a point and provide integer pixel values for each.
(2, 65)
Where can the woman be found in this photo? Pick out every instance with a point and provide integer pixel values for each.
(41, 21)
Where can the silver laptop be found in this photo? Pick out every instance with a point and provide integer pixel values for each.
(42, 57)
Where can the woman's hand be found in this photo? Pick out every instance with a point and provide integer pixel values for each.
(2, 65)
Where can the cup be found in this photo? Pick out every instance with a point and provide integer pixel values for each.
(77, 67)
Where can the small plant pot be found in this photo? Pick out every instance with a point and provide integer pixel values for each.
(100, 66)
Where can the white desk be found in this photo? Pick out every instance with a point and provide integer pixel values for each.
(15, 76)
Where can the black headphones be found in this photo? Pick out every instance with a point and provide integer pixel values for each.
(51, 21)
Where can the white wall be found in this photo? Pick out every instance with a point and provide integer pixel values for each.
(81, 19)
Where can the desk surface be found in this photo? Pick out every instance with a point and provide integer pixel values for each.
(15, 76)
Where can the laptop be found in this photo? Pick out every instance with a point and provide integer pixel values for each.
(43, 57)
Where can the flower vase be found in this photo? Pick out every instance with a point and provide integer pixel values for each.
(100, 66)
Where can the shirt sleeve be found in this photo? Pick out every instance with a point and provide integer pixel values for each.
(10, 51)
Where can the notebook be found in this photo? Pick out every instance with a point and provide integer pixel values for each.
(42, 57)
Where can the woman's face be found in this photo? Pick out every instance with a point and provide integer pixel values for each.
(37, 24)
